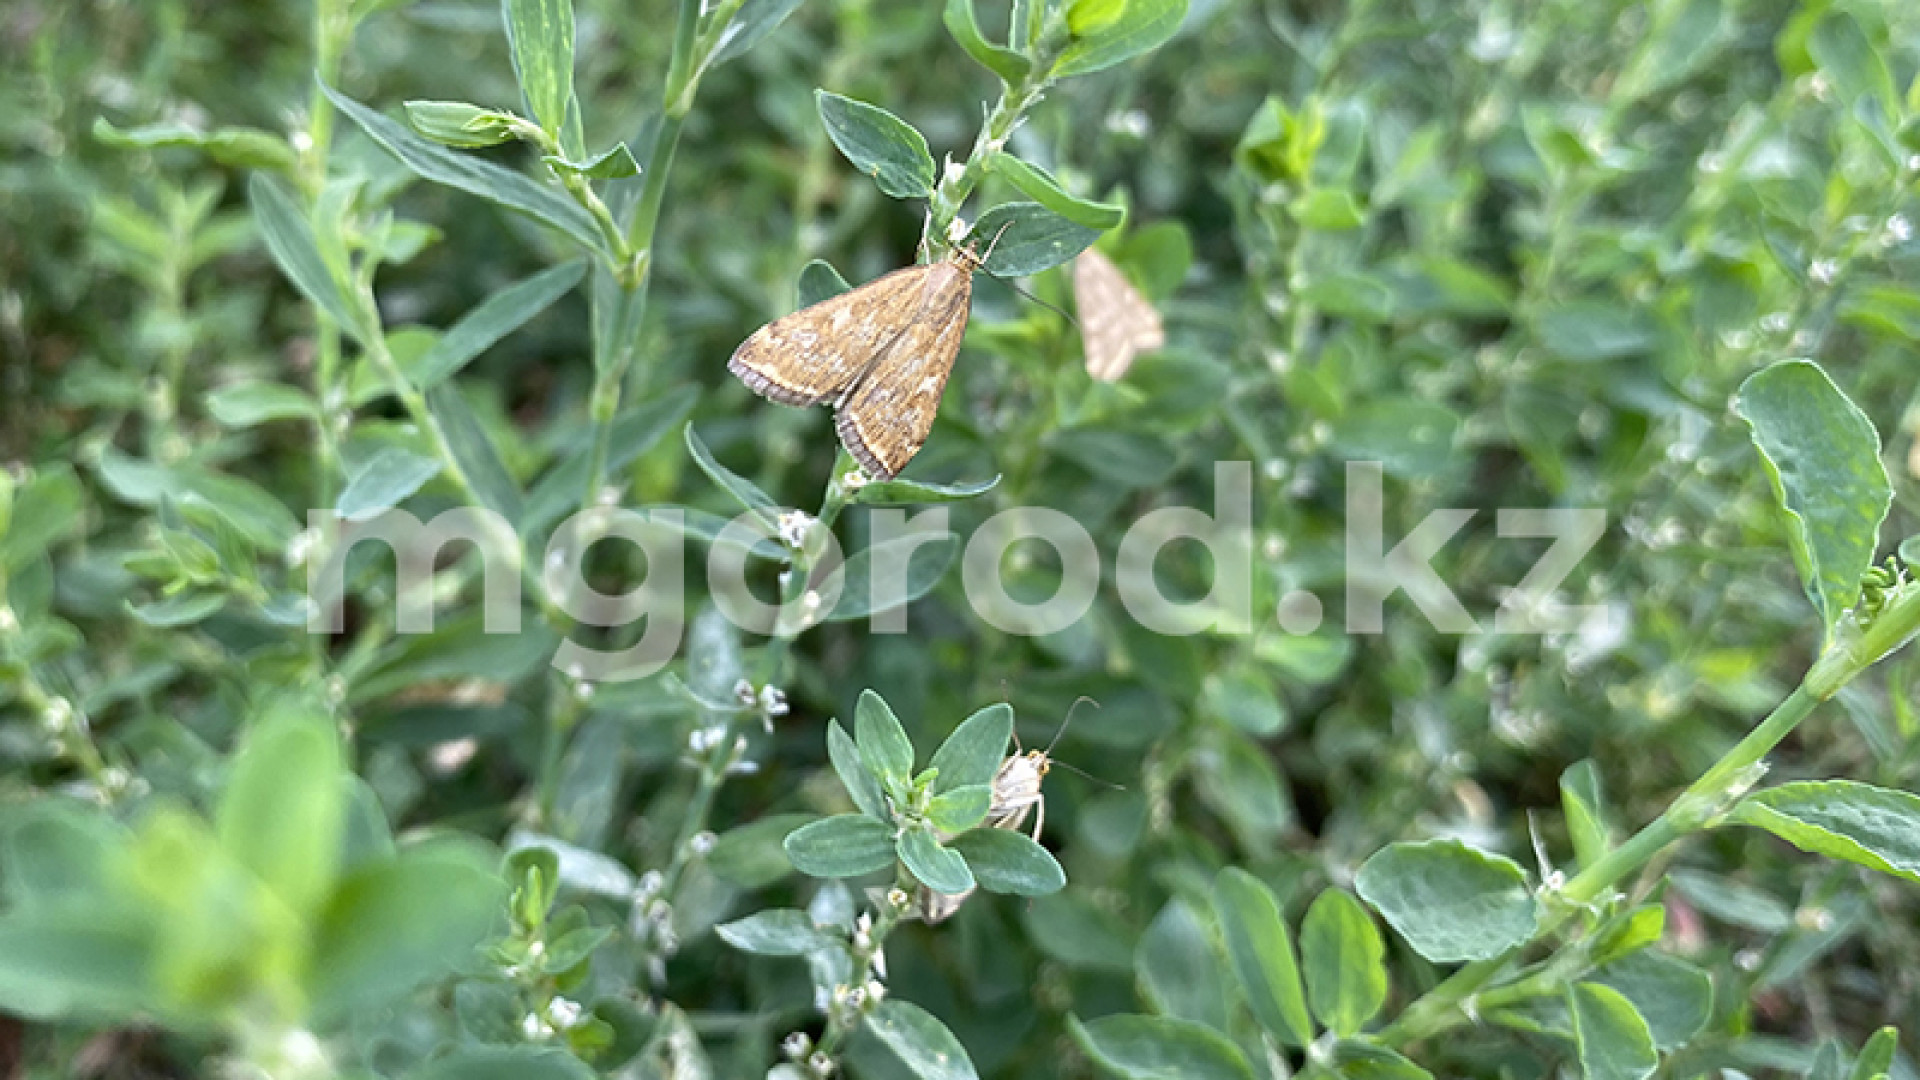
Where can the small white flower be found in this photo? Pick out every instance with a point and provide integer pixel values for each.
(876, 990)
(795, 527)
(563, 1013)
(1899, 229)
(1822, 271)
(743, 692)
(533, 1026)
(702, 842)
(854, 480)
(796, 1045)
(57, 717)
(773, 700)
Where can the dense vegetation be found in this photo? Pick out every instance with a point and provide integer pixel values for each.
(1654, 258)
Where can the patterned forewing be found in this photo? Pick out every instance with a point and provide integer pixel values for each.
(885, 419)
(1116, 321)
(817, 353)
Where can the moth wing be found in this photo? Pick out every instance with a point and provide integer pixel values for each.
(818, 352)
(937, 907)
(884, 420)
(1116, 322)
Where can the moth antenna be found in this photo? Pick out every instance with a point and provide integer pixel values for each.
(1062, 730)
(1042, 303)
(1078, 771)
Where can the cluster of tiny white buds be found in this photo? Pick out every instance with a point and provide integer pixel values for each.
(773, 701)
(795, 527)
(563, 1013)
(300, 548)
(1822, 271)
(898, 899)
(535, 1027)
(796, 1045)
(743, 693)
(57, 716)
(702, 842)
(820, 1065)
(854, 480)
(1899, 229)
(856, 998)
(706, 738)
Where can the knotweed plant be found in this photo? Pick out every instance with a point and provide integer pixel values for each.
(1462, 451)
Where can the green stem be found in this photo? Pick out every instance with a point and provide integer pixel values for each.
(1447, 1004)
(1015, 100)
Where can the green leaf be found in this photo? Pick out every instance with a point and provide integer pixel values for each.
(845, 845)
(775, 932)
(386, 480)
(937, 867)
(973, 752)
(459, 124)
(965, 28)
(247, 404)
(283, 808)
(1004, 861)
(1261, 952)
(258, 516)
(1675, 997)
(1732, 902)
(614, 163)
(540, 37)
(1685, 35)
(1851, 62)
(1036, 184)
(1328, 209)
(917, 492)
(884, 745)
(879, 144)
(504, 1063)
(1356, 1060)
(751, 24)
(1872, 826)
(1613, 1040)
(1344, 961)
(475, 452)
(862, 785)
(912, 564)
(1159, 1048)
(1449, 901)
(490, 320)
(820, 281)
(1586, 809)
(922, 1043)
(1022, 238)
(961, 808)
(1593, 330)
(1141, 26)
(180, 609)
(45, 509)
(473, 175)
(290, 239)
(750, 856)
(57, 963)
(397, 923)
(744, 491)
(1823, 456)
(1178, 969)
(1876, 1058)
(239, 147)
(1244, 701)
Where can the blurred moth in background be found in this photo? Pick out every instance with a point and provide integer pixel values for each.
(1116, 321)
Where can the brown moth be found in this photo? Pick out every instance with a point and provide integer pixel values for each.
(1116, 321)
(880, 354)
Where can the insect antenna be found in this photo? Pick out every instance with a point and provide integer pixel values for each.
(1062, 730)
(1050, 307)
(1078, 771)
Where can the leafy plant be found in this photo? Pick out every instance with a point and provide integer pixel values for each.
(279, 801)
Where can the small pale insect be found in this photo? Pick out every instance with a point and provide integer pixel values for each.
(1116, 321)
(879, 354)
(1016, 793)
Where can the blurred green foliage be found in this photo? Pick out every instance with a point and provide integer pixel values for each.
(1524, 255)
